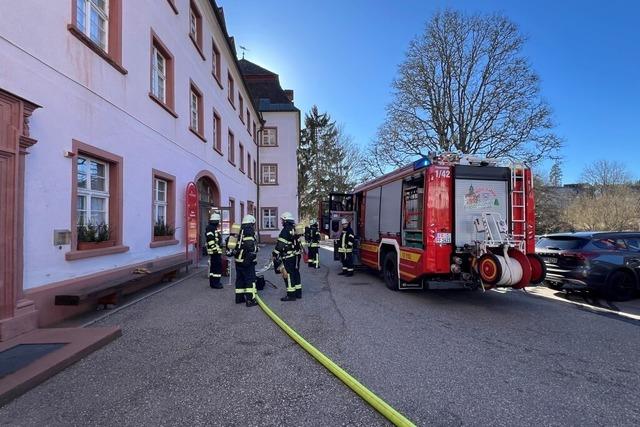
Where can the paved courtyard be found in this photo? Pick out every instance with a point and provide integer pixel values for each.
(189, 356)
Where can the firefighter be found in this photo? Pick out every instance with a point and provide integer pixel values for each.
(313, 238)
(347, 239)
(214, 249)
(245, 254)
(285, 257)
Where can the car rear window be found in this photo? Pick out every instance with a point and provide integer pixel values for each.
(610, 244)
(561, 242)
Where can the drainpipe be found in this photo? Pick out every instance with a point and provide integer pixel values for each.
(257, 178)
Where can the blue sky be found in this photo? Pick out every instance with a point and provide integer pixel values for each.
(343, 56)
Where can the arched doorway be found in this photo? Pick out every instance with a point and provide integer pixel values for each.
(208, 199)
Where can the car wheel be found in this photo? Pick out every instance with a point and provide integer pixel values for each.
(390, 271)
(621, 286)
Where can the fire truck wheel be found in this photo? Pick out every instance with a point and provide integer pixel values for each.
(390, 271)
(538, 269)
(489, 268)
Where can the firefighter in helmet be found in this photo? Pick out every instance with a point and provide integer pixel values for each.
(245, 254)
(214, 249)
(347, 239)
(313, 239)
(285, 257)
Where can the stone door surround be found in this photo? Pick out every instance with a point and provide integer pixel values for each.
(17, 315)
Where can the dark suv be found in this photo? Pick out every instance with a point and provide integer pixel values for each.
(607, 263)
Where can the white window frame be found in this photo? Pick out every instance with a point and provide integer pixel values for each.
(158, 75)
(269, 137)
(193, 24)
(271, 171)
(269, 216)
(160, 203)
(89, 193)
(195, 114)
(84, 23)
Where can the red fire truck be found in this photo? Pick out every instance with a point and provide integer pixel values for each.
(445, 221)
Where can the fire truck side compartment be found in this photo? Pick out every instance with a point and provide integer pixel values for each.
(372, 214)
(390, 211)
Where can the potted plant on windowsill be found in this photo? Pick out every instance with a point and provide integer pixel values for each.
(94, 236)
(162, 231)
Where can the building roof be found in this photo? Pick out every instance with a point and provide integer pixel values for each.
(264, 87)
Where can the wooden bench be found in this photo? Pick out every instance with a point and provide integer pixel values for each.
(108, 293)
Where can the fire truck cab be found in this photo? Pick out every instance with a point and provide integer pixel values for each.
(444, 221)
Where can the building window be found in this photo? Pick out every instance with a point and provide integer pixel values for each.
(232, 210)
(248, 121)
(196, 124)
(96, 203)
(230, 90)
(249, 165)
(255, 135)
(92, 192)
(255, 171)
(195, 27)
(92, 18)
(231, 147)
(269, 218)
(160, 201)
(269, 174)
(97, 23)
(241, 153)
(250, 208)
(241, 211)
(217, 133)
(215, 61)
(241, 107)
(269, 137)
(163, 212)
(161, 75)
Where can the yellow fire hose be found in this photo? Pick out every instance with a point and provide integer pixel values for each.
(378, 404)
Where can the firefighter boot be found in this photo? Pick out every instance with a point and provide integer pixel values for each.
(291, 296)
(299, 292)
(252, 302)
(240, 298)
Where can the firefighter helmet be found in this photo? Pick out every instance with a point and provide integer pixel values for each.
(215, 217)
(248, 219)
(287, 217)
(313, 221)
(345, 221)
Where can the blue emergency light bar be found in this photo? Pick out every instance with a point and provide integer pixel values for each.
(421, 163)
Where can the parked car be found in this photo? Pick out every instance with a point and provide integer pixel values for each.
(607, 263)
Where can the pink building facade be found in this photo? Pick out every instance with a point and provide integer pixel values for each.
(108, 109)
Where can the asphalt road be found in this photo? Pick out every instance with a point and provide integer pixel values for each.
(190, 356)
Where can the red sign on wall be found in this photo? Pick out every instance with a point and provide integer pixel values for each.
(191, 213)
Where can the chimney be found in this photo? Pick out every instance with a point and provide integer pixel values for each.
(289, 94)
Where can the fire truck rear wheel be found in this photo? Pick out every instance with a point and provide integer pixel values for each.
(390, 271)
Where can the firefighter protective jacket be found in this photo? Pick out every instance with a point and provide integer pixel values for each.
(247, 250)
(285, 246)
(314, 236)
(214, 240)
(347, 239)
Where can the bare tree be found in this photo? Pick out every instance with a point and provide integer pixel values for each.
(605, 174)
(465, 86)
(618, 209)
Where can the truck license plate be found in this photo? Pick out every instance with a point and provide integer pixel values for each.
(550, 260)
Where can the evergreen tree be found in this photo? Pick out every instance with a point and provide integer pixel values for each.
(555, 175)
(326, 162)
